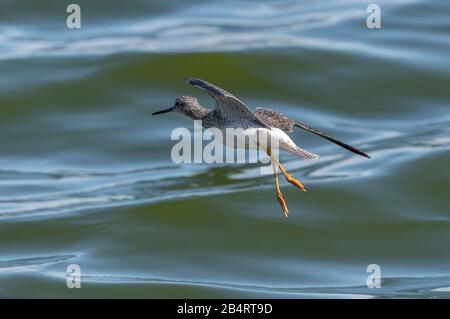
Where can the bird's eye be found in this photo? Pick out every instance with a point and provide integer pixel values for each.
(177, 103)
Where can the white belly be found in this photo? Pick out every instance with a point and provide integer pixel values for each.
(259, 138)
(263, 139)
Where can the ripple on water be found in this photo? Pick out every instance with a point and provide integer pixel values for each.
(31, 263)
(88, 189)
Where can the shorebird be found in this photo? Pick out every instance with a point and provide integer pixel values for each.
(230, 112)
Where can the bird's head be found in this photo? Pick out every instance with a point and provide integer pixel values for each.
(184, 104)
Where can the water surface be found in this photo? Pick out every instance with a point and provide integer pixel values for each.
(86, 176)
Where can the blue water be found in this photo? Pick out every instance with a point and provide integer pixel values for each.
(86, 175)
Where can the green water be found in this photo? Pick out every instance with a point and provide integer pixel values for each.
(86, 175)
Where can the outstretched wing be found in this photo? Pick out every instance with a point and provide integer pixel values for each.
(331, 139)
(229, 107)
(286, 124)
(275, 119)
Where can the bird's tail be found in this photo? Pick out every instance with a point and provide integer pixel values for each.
(304, 153)
(331, 139)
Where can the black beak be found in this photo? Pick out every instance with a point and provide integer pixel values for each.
(170, 109)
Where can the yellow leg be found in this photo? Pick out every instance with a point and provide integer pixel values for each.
(279, 195)
(277, 187)
(288, 177)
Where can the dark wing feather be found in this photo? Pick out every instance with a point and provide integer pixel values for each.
(275, 119)
(330, 138)
(229, 107)
(286, 124)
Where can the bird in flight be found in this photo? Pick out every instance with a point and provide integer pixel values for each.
(230, 112)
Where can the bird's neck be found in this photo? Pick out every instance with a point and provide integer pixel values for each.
(197, 112)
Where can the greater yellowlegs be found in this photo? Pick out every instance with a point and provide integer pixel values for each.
(230, 112)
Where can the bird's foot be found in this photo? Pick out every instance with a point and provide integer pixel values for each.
(291, 179)
(283, 204)
(295, 182)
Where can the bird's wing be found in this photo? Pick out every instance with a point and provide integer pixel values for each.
(228, 105)
(331, 139)
(275, 119)
(286, 124)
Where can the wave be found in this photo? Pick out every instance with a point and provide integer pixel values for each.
(391, 287)
(161, 183)
(31, 263)
(204, 28)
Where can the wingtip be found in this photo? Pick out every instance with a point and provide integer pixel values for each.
(364, 154)
(191, 80)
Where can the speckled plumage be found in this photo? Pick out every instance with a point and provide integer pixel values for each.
(275, 119)
(230, 112)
